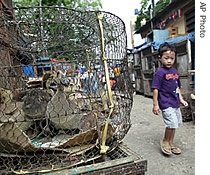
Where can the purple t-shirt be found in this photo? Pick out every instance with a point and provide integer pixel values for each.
(167, 82)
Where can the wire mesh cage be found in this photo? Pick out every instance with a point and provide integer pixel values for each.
(65, 90)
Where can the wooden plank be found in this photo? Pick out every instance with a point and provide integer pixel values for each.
(100, 166)
(131, 164)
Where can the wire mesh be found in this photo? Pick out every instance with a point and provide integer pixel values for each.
(65, 90)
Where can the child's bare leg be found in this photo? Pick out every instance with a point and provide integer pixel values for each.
(171, 139)
(166, 139)
(175, 149)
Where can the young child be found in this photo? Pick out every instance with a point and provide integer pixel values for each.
(167, 97)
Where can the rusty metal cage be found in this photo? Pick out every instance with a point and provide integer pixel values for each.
(65, 90)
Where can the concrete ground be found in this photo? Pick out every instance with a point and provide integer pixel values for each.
(144, 138)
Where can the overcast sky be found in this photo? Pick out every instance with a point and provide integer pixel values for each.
(123, 9)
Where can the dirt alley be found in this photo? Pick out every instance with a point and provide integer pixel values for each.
(144, 138)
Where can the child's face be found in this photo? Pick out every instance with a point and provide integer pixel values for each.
(168, 59)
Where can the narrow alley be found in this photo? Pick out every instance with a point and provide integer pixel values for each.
(144, 138)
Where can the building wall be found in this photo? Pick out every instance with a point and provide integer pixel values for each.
(136, 39)
(180, 23)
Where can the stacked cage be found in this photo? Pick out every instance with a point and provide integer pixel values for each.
(65, 91)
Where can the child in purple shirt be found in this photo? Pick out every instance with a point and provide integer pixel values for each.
(167, 97)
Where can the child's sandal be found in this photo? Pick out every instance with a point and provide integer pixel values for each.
(175, 150)
(165, 148)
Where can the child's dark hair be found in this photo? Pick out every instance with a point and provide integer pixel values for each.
(166, 47)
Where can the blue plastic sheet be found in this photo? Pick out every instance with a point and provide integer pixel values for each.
(179, 39)
(28, 70)
(156, 45)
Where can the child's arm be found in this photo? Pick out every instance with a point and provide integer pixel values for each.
(182, 101)
(156, 109)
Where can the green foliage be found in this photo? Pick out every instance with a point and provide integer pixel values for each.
(144, 12)
(52, 31)
(160, 5)
(76, 4)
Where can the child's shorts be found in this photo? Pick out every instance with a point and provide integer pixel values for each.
(172, 117)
